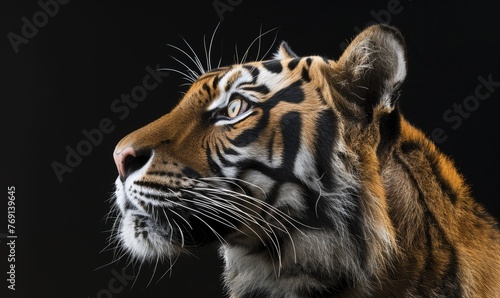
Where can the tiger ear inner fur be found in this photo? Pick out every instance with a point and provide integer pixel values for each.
(372, 68)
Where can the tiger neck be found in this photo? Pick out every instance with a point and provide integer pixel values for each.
(349, 253)
(313, 262)
(256, 274)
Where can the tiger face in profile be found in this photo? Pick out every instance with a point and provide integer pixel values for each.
(315, 185)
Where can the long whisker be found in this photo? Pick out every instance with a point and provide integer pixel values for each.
(137, 275)
(196, 59)
(271, 235)
(225, 192)
(191, 73)
(275, 214)
(110, 263)
(170, 268)
(208, 55)
(265, 204)
(182, 233)
(245, 55)
(238, 213)
(211, 216)
(228, 209)
(260, 43)
(271, 47)
(232, 181)
(319, 196)
(237, 60)
(169, 224)
(269, 232)
(187, 76)
(154, 271)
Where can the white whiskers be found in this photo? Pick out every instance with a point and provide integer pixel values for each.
(192, 73)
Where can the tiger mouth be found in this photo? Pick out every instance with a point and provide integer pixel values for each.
(156, 224)
(153, 224)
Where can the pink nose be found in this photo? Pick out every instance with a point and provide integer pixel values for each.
(122, 161)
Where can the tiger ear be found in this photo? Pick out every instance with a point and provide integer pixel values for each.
(373, 67)
(284, 52)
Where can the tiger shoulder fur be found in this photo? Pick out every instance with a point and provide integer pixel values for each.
(307, 173)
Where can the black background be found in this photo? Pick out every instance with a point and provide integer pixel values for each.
(64, 79)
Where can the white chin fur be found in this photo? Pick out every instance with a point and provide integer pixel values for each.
(138, 233)
(139, 236)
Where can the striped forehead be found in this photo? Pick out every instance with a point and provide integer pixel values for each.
(271, 74)
(228, 82)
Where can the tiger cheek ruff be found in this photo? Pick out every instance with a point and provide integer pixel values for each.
(308, 175)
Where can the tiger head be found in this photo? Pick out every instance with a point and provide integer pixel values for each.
(274, 158)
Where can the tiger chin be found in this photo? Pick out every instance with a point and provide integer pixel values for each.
(308, 175)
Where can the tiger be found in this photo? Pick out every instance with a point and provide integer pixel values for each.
(307, 176)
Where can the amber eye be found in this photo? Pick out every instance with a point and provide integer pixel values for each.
(236, 107)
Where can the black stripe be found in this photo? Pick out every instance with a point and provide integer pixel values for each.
(229, 151)
(207, 89)
(444, 183)
(422, 285)
(320, 95)
(221, 157)
(251, 135)
(273, 66)
(154, 185)
(292, 93)
(324, 141)
(305, 74)
(254, 71)
(262, 89)
(215, 82)
(308, 61)
(429, 280)
(164, 173)
(291, 130)
(452, 285)
(409, 146)
(212, 164)
(278, 174)
(190, 173)
(293, 63)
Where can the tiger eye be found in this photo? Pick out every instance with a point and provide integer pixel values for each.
(234, 107)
